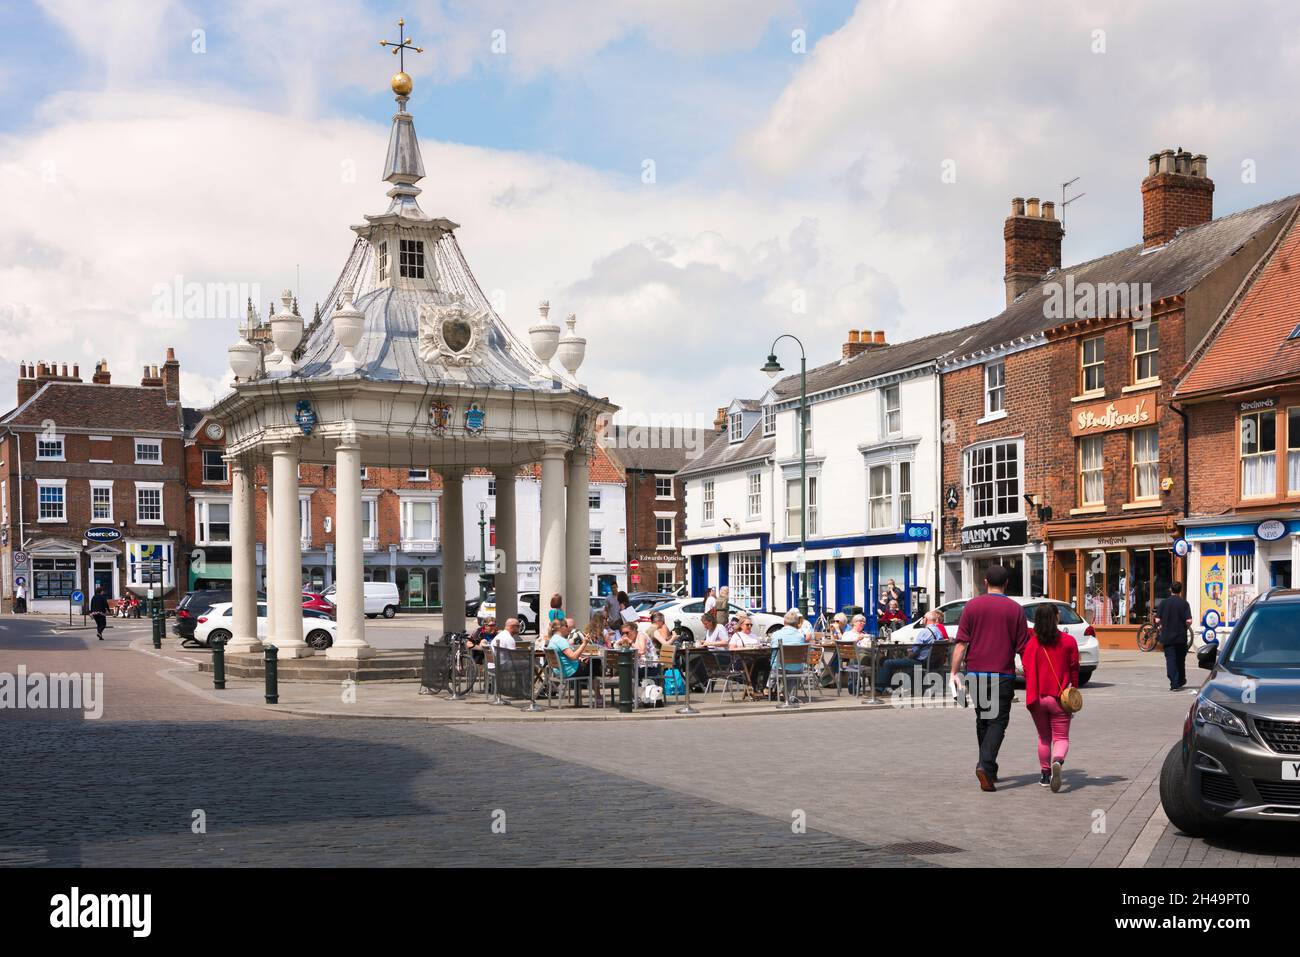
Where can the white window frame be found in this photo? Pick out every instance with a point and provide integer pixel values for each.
(903, 492)
(769, 421)
(754, 493)
(492, 488)
(150, 487)
(225, 466)
(1084, 473)
(595, 543)
(709, 492)
(97, 485)
(746, 577)
(381, 260)
(62, 486)
(1153, 464)
(408, 539)
(671, 519)
(880, 504)
(992, 388)
(304, 519)
(1017, 495)
(735, 428)
(665, 579)
(792, 508)
(593, 499)
(412, 259)
(1151, 331)
(202, 519)
(155, 443)
(1098, 362)
(370, 516)
(672, 494)
(1244, 458)
(44, 456)
(417, 475)
(891, 415)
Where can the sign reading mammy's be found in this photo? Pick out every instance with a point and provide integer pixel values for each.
(1111, 414)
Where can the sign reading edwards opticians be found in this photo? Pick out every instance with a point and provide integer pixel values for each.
(1109, 415)
(994, 535)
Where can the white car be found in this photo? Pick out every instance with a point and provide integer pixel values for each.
(689, 611)
(378, 598)
(527, 613)
(1089, 647)
(318, 628)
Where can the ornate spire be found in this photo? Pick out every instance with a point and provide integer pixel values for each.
(403, 166)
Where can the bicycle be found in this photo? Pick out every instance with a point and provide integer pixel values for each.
(1148, 635)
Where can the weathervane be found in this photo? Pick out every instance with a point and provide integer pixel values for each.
(401, 81)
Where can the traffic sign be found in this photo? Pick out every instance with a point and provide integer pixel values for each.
(20, 558)
(634, 564)
(77, 596)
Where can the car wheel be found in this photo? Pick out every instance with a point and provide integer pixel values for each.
(372, 616)
(1174, 799)
(320, 639)
(1085, 675)
(389, 611)
(216, 633)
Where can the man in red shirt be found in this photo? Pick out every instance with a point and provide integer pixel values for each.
(990, 633)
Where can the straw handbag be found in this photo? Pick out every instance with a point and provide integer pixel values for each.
(1071, 698)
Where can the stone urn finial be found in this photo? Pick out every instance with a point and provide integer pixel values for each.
(286, 332)
(544, 337)
(572, 348)
(348, 323)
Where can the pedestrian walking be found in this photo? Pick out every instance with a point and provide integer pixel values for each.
(710, 600)
(99, 610)
(1051, 664)
(20, 598)
(1173, 619)
(556, 612)
(990, 633)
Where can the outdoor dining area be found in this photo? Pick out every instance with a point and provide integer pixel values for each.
(684, 675)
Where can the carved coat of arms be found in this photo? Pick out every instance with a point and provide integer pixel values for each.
(452, 331)
(475, 419)
(439, 417)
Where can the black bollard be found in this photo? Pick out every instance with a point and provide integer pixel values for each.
(272, 675)
(218, 664)
(626, 699)
(158, 628)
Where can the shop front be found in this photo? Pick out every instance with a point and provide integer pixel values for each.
(1003, 543)
(737, 562)
(1114, 574)
(1234, 558)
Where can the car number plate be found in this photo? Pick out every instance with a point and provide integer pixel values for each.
(1291, 770)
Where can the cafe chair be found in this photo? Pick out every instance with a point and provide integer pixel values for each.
(667, 662)
(850, 666)
(555, 676)
(789, 657)
(724, 671)
(810, 678)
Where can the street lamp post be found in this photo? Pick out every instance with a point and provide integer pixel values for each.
(482, 553)
(773, 368)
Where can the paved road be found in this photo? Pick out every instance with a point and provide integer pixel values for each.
(887, 788)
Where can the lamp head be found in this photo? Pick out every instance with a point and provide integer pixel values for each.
(772, 367)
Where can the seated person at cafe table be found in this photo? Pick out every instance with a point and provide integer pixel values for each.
(744, 636)
(482, 638)
(789, 634)
(918, 655)
(573, 660)
(891, 618)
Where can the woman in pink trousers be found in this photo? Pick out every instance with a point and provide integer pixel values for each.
(1051, 664)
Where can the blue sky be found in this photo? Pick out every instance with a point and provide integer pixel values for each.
(792, 190)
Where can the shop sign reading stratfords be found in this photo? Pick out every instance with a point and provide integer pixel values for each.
(1109, 415)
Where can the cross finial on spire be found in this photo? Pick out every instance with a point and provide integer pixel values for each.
(401, 82)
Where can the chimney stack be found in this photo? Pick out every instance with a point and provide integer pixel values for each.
(860, 341)
(150, 379)
(33, 375)
(1177, 194)
(101, 376)
(171, 377)
(1032, 236)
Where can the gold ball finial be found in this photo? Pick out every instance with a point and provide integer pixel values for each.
(402, 84)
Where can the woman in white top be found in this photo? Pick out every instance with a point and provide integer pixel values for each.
(715, 636)
(710, 602)
(744, 636)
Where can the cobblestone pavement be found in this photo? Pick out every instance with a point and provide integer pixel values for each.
(874, 787)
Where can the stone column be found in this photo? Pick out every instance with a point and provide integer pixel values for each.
(577, 527)
(349, 593)
(243, 559)
(451, 511)
(507, 549)
(286, 559)
(269, 548)
(552, 575)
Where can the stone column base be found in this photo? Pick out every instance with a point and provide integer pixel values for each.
(243, 646)
(335, 653)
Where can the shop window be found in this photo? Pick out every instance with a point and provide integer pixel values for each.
(664, 580)
(1259, 454)
(53, 577)
(1293, 451)
(746, 579)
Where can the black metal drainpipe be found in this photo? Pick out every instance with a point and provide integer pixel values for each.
(1187, 491)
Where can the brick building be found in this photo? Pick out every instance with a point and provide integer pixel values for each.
(1240, 392)
(1062, 459)
(91, 490)
(656, 500)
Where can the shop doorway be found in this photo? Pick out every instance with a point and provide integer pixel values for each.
(1014, 564)
(102, 577)
(1280, 573)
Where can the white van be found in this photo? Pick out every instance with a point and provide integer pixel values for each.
(381, 598)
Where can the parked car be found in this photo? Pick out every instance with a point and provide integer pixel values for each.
(318, 628)
(641, 600)
(690, 610)
(317, 603)
(380, 598)
(1239, 757)
(193, 604)
(1070, 621)
(528, 613)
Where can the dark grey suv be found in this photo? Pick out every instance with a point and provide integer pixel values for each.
(1239, 757)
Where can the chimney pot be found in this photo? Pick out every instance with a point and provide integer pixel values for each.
(1171, 203)
(1031, 206)
(1166, 161)
(1018, 206)
(1049, 210)
(76, 371)
(879, 337)
(853, 335)
(1153, 164)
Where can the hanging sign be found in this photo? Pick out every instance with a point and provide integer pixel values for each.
(1271, 530)
(1181, 548)
(918, 531)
